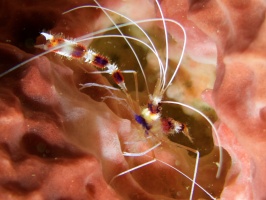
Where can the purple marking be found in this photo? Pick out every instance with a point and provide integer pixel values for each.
(101, 61)
(78, 51)
(154, 109)
(143, 122)
(118, 78)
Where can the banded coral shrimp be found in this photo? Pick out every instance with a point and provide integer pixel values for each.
(135, 142)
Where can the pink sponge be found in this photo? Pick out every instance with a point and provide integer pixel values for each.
(38, 160)
(238, 30)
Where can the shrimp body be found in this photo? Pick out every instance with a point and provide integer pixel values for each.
(151, 117)
(75, 50)
(69, 49)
